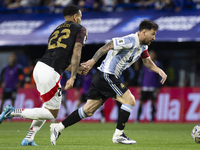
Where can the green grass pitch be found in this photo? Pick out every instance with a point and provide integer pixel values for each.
(96, 136)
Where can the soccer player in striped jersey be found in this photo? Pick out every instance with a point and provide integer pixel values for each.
(121, 53)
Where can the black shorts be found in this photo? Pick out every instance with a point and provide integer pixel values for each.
(105, 86)
(9, 95)
(145, 95)
(83, 97)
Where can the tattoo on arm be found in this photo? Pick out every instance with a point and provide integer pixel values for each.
(75, 61)
(103, 50)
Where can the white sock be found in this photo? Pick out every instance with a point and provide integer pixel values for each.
(118, 132)
(35, 114)
(35, 127)
(60, 127)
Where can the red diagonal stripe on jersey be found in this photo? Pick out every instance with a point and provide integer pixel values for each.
(47, 96)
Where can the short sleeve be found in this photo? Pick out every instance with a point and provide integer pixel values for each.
(81, 36)
(125, 42)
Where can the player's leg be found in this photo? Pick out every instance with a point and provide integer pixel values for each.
(49, 111)
(86, 111)
(64, 96)
(34, 114)
(41, 114)
(139, 110)
(13, 102)
(91, 106)
(13, 97)
(128, 101)
(153, 105)
(35, 127)
(118, 106)
(143, 98)
(102, 120)
(48, 86)
(153, 110)
(2, 103)
(5, 114)
(3, 98)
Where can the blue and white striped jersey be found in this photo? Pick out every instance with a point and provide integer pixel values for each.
(126, 51)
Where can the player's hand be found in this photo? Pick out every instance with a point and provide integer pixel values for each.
(85, 71)
(69, 84)
(82, 70)
(88, 65)
(164, 77)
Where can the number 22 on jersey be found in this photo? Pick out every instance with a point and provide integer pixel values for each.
(59, 39)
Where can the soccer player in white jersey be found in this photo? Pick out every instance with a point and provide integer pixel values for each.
(121, 53)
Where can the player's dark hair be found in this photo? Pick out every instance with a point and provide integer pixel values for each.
(148, 24)
(70, 10)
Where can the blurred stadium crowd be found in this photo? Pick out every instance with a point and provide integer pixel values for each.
(55, 6)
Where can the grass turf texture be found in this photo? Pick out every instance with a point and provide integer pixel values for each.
(96, 136)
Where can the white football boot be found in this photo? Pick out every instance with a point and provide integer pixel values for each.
(122, 139)
(54, 133)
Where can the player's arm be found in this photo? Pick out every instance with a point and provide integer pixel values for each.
(117, 44)
(76, 56)
(75, 61)
(80, 69)
(102, 51)
(151, 66)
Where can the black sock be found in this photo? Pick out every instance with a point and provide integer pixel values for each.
(122, 119)
(102, 113)
(139, 113)
(153, 112)
(119, 106)
(71, 119)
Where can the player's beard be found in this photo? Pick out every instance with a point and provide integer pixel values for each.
(149, 43)
(146, 42)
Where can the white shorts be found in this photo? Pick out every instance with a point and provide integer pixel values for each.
(48, 85)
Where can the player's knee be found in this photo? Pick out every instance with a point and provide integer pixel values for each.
(55, 116)
(89, 112)
(54, 113)
(132, 100)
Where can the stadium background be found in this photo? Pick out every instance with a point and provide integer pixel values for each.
(25, 31)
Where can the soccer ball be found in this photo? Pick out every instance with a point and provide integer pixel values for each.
(196, 133)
